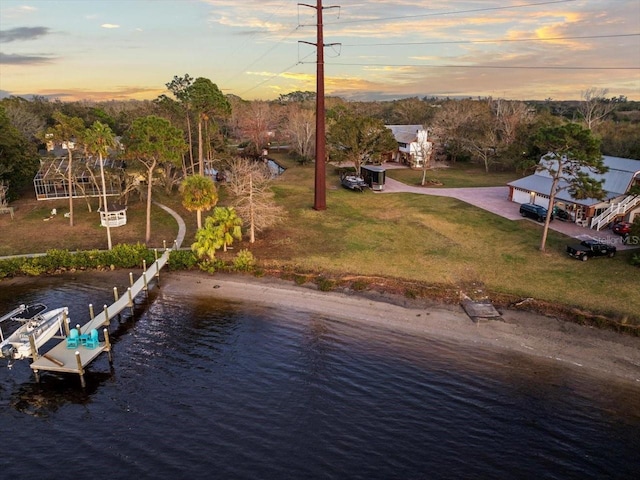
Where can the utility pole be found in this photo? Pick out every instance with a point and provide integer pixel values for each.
(320, 197)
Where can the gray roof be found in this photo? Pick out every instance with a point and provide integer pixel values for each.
(405, 133)
(616, 181)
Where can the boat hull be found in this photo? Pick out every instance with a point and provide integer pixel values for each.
(41, 328)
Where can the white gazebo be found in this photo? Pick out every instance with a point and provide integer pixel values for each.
(115, 216)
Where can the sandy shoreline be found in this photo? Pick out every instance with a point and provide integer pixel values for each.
(600, 352)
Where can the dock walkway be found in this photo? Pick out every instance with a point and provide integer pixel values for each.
(60, 358)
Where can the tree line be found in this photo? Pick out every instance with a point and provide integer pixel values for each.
(195, 130)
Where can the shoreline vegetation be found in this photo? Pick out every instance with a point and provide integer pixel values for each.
(417, 247)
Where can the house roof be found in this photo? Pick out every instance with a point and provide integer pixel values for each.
(617, 180)
(405, 133)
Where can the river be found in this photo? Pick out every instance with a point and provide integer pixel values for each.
(209, 388)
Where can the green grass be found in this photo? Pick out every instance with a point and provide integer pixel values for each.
(456, 176)
(422, 238)
(443, 240)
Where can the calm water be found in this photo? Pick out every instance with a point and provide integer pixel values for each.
(210, 389)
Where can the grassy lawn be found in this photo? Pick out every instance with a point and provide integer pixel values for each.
(456, 176)
(413, 237)
(34, 231)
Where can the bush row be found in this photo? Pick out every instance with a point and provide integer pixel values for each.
(121, 256)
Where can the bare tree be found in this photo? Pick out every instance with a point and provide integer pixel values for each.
(426, 152)
(301, 130)
(27, 122)
(594, 106)
(249, 184)
(255, 125)
(510, 116)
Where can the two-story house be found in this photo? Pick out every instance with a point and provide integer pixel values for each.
(413, 144)
(619, 203)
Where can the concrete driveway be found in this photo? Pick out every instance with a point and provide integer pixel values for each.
(496, 200)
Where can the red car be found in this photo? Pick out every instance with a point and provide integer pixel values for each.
(622, 228)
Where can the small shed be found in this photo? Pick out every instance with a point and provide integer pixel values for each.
(374, 176)
(115, 216)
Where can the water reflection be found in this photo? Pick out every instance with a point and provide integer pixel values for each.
(201, 385)
(45, 398)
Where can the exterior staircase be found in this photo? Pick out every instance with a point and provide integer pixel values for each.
(614, 210)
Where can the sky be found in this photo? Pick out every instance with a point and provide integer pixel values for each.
(374, 49)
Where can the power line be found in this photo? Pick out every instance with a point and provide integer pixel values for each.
(299, 62)
(452, 12)
(506, 40)
(523, 67)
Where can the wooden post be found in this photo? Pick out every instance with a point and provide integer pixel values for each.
(106, 316)
(131, 279)
(115, 294)
(144, 276)
(36, 373)
(80, 369)
(66, 324)
(130, 304)
(157, 269)
(78, 328)
(34, 350)
(164, 244)
(107, 344)
(91, 316)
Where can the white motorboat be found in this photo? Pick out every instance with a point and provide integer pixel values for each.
(34, 322)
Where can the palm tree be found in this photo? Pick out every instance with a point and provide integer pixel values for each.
(67, 130)
(219, 231)
(198, 193)
(228, 225)
(98, 139)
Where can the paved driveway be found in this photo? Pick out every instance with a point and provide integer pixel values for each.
(496, 200)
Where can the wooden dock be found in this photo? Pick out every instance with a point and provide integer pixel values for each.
(60, 358)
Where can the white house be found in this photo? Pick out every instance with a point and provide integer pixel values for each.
(413, 144)
(619, 204)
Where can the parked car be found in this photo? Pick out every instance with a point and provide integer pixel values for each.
(622, 228)
(590, 248)
(562, 215)
(534, 211)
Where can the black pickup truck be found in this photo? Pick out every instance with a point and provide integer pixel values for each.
(590, 248)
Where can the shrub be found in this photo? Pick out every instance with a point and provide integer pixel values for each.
(359, 285)
(10, 267)
(55, 259)
(211, 266)
(244, 261)
(635, 259)
(127, 256)
(325, 284)
(181, 260)
(32, 267)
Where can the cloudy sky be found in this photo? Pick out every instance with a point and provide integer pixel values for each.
(375, 49)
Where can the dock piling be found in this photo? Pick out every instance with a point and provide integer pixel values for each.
(106, 315)
(34, 350)
(144, 275)
(80, 369)
(107, 342)
(91, 316)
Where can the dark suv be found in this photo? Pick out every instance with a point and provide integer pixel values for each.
(534, 211)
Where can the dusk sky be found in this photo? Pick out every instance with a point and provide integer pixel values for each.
(129, 49)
